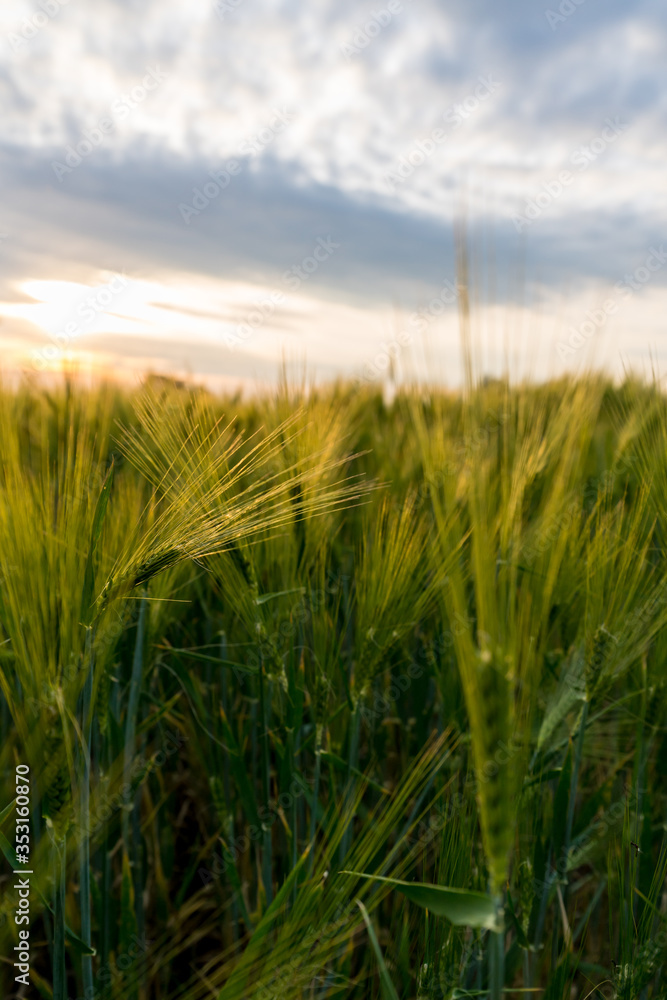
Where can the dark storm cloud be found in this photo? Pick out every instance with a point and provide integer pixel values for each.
(264, 223)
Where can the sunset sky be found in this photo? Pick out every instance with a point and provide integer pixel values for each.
(346, 139)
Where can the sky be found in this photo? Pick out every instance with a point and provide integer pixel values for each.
(213, 188)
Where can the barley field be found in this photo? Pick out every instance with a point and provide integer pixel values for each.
(318, 696)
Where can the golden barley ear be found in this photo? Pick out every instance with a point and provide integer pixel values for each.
(57, 801)
(595, 662)
(102, 701)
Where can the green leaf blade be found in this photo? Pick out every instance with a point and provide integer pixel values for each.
(462, 907)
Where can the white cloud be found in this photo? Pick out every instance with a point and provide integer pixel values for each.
(354, 119)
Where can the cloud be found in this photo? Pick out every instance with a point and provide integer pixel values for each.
(351, 120)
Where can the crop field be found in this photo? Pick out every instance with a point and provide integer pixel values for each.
(319, 696)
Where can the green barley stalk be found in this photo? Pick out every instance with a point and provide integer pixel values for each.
(59, 958)
(479, 533)
(393, 590)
